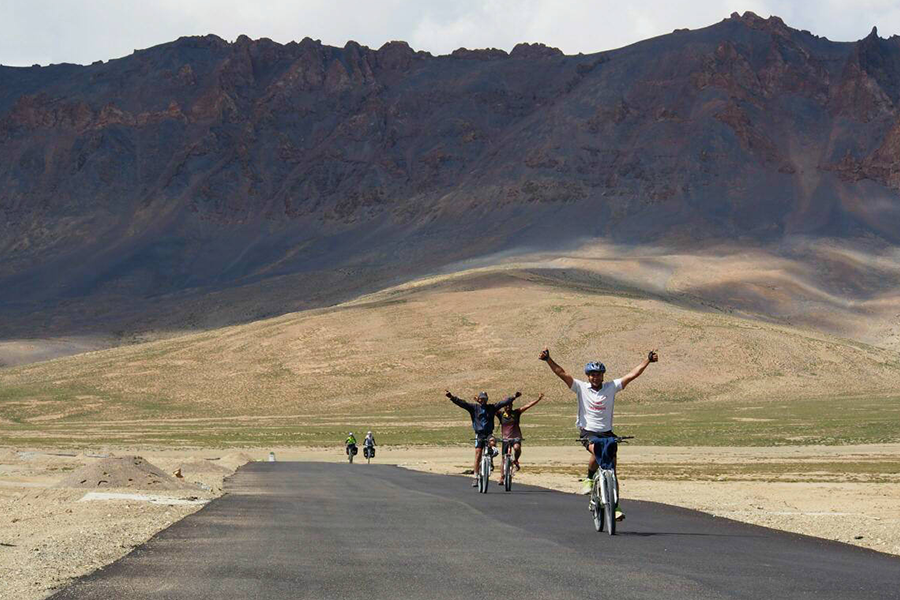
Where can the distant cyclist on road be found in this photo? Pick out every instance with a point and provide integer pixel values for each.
(350, 444)
(369, 445)
(595, 408)
(482, 415)
(509, 426)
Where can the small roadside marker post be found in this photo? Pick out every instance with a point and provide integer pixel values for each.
(271, 457)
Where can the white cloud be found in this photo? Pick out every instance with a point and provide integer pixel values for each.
(81, 31)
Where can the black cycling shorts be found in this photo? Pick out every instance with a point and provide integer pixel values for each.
(481, 440)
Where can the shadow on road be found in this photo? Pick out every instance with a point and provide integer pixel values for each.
(655, 533)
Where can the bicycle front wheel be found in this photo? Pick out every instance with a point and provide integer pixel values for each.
(610, 506)
(507, 473)
(485, 475)
(597, 506)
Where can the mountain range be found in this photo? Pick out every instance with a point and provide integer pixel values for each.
(201, 183)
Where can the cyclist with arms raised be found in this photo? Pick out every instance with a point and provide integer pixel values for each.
(482, 415)
(595, 407)
(512, 434)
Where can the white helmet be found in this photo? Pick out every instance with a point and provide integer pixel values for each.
(368, 433)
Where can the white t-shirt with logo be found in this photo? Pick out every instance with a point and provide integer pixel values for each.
(595, 407)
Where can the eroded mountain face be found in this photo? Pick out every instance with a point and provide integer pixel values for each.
(200, 166)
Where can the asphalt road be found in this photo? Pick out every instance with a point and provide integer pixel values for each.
(314, 530)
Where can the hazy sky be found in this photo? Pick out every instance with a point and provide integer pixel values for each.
(82, 31)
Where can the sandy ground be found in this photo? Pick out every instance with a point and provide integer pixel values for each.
(49, 535)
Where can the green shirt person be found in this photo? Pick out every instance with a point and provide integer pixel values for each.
(350, 444)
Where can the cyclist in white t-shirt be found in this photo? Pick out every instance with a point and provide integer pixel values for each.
(595, 406)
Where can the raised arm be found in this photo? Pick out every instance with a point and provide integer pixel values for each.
(530, 404)
(459, 402)
(508, 401)
(560, 372)
(636, 372)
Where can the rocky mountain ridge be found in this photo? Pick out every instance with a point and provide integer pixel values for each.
(201, 166)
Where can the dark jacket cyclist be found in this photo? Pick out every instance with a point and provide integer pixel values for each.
(482, 415)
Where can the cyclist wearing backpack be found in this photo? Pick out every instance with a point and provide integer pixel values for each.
(369, 445)
(509, 426)
(595, 408)
(350, 444)
(482, 415)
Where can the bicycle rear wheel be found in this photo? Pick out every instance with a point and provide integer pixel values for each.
(610, 507)
(507, 472)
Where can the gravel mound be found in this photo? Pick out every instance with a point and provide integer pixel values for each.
(122, 472)
(233, 460)
(199, 466)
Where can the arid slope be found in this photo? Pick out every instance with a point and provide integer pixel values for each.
(394, 353)
(202, 183)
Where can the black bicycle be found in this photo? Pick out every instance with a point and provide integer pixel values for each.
(605, 495)
(351, 452)
(508, 462)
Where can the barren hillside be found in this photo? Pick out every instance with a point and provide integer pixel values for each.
(202, 183)
(387, 359)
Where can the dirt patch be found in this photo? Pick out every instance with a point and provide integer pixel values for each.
(233, 460)
(130, 472)
(48, 535)
(204, 467)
